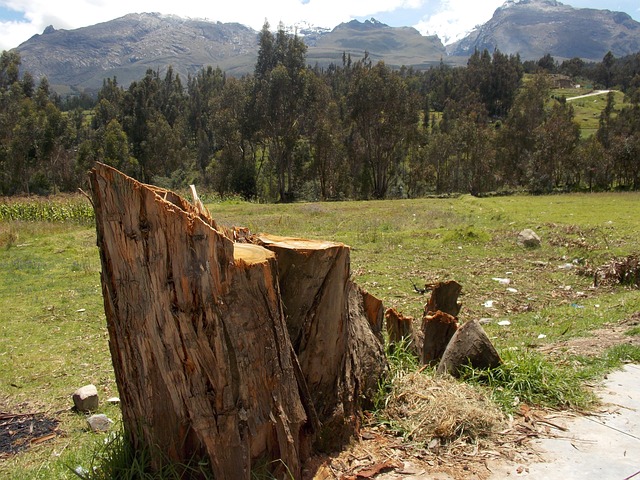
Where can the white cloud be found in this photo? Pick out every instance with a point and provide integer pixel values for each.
(455, 18)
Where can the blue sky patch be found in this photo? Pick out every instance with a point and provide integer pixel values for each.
(8, 15)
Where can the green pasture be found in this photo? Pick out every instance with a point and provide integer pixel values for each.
(53, 337)
(588, 109)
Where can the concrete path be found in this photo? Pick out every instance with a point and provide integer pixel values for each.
(603, 446)
(592, 94)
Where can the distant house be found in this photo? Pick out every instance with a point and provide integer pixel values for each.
(561, 81)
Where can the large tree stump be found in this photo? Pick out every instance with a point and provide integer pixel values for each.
(197, 335)
(331, 330)
(469, 346)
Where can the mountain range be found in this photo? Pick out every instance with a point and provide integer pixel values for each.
(126, 47)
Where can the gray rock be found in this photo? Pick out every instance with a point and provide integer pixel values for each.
(99, 423)
(528, 238)
(85, 398)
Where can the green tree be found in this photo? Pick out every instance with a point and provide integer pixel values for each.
(553, 161)
(384, 119)
(596, 165)
(326, 137)
(233, 166)
(116, 149)
(517, 140)
(9, 69)
(280, 102)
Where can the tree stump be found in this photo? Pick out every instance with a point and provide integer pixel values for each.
(444, 297)
(469, 346)
(200, 343)
(400, 330)
(331, 330)
(439, 320)
(197, 335)
(437, 328)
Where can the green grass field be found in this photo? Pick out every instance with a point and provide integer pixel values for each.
(588, 109)
(53, 337)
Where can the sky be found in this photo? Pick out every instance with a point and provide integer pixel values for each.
(449, 19)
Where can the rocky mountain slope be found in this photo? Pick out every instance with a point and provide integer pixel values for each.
(128, 46)
(534, 28)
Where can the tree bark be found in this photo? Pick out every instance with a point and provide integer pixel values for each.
(197, 335)
(469, 346)
(331, 330)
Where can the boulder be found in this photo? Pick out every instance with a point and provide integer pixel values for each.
(528, 238)
(85, 399)
(99, 423)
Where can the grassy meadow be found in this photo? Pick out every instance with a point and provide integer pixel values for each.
(53, 336)
(588, 109)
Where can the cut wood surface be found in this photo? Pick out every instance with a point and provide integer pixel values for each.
(374, 309)
(469, 346)
(197, 335)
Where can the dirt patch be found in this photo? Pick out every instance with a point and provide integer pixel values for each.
(598, 340)
(19, 432)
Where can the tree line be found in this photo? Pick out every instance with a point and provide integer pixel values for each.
(354, 130)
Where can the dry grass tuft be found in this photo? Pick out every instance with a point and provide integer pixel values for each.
(425, 408)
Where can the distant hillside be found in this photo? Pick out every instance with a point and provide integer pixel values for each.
(534, 28)
(128, 46)
(397, 46)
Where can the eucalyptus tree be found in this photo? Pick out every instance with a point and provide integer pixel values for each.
(495, 78)
(202, 90)
(516, 139)
(385, 119)
(233, 165)
(280, 102)
(325, 125)
(154, 121)
(553, 163)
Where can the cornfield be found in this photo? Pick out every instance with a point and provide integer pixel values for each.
(69, 209)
